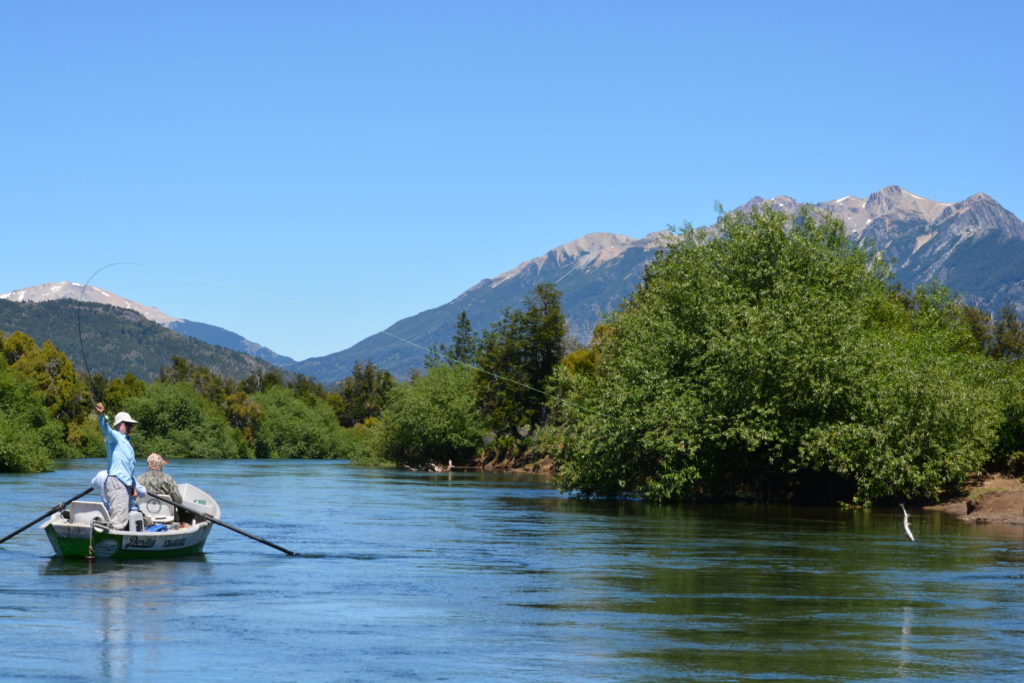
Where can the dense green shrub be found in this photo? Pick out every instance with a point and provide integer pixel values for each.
(361, 395)
(175, 421)
(1008, 453)
(30, 438)
(772, 360)
(291, 427)
(432, 418)
(517, 355)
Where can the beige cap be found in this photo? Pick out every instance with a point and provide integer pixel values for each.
(155, 459)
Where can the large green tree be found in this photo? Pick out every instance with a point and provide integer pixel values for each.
(30, 437)
(66, 394)
(209, 384)
(463, 349)
(15, 345)
(516, 356)
(769, 358)
(361, 395)
(290, 427)
(432, 418)
(119, 391)
(176, 421)
(1008, 335)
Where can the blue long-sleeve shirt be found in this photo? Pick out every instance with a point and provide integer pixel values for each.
(120, 453)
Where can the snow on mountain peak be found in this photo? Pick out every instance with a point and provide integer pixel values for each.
(51, 291)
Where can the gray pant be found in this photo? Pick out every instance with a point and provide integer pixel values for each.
(117, 502)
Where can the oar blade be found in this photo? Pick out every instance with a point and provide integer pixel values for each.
(55, 508)
(203, 515)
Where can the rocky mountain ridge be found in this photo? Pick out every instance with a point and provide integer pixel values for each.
(974, 246)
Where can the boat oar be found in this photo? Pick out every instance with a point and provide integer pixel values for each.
(55, 508)
(208, 518)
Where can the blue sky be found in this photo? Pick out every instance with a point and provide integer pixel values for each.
(307, 173)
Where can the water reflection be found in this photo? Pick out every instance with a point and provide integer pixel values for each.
(75, 566)
(473, 576)
(127, 603)
(114, 598)
(754, 591)
(905, 643)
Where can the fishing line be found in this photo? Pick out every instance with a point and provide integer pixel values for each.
(78, 311)
(175, 274)
(496, 376)
(306, 303)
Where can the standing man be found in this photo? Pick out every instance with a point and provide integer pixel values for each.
(120, 484)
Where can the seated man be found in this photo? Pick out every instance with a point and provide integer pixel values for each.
(157, 481)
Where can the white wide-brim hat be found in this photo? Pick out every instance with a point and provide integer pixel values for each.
(124, 417)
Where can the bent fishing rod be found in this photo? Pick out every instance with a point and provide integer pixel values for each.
(78, 312)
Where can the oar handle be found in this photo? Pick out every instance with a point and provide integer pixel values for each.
(210, 518)
(58, 506)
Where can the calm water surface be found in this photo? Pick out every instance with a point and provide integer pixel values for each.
(480, 577)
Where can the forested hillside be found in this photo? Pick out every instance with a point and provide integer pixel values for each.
(117, 341)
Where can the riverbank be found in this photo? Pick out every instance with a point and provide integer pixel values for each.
(993, 499)
(996, 499)
(518, 465)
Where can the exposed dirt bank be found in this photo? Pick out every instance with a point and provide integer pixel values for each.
(997, 499)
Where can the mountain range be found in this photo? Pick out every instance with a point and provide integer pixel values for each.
(112, 340)
(975, 247)
(593, 273)
(211, 334)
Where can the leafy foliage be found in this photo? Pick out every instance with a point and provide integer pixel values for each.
(1008, 335)
(65, 393)
(191, 412)
(362, 394)
(517, 355)
(464, 347)
(293, 428)
(30, 437)
(177, 422)
(588, 359)
(773, 362)
(121, 390)
(432, 418)
(244, 414)
(210, 385)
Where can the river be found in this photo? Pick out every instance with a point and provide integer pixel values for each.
(489, 577)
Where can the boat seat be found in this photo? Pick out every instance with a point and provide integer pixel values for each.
(84, 512)
(157, 510)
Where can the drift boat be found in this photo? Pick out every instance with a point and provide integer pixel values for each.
(82, 529)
